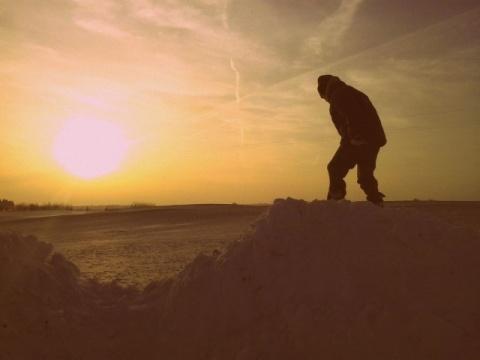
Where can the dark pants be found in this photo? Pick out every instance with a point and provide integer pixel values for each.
(345, 159)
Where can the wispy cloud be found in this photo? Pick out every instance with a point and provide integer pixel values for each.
(330, 31)
(101, 27)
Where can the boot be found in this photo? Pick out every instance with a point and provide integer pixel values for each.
(335, 195)
(376, 199)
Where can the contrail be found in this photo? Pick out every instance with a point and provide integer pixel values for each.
(234, 69)
(237, 78)
(237, 96)
(225, 15)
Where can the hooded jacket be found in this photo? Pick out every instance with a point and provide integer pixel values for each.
(352, 112)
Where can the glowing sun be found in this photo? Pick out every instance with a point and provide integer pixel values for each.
(89, 148)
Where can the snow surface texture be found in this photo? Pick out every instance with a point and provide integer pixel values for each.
(319, 280)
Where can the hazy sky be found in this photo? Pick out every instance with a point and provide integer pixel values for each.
(215, 101)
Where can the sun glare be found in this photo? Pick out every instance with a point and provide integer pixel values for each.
(90, 148)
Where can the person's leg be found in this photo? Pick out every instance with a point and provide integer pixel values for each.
(344, 159)
(366, 165)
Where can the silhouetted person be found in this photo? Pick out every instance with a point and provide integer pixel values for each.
(361, 134)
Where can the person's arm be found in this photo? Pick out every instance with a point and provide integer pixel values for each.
(350, 108)
(339, 122)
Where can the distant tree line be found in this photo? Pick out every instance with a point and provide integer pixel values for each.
(9, 205)
(46, 206)
(140, 204)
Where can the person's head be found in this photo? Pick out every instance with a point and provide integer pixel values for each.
(322, 84)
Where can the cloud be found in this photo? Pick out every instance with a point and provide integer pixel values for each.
(101, 27)
(330, 31)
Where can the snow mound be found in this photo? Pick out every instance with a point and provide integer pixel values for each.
(333, 281)
(49, 311)
(312, 280)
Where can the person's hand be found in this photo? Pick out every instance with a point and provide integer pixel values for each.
(357, 141)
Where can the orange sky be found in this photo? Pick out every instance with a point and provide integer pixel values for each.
(216, 101)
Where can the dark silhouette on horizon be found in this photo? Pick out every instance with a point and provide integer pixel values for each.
(7, 205)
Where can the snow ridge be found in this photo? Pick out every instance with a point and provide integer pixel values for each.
(321, 279)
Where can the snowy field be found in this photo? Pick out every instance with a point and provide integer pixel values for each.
(135, 247)
(297, 280)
